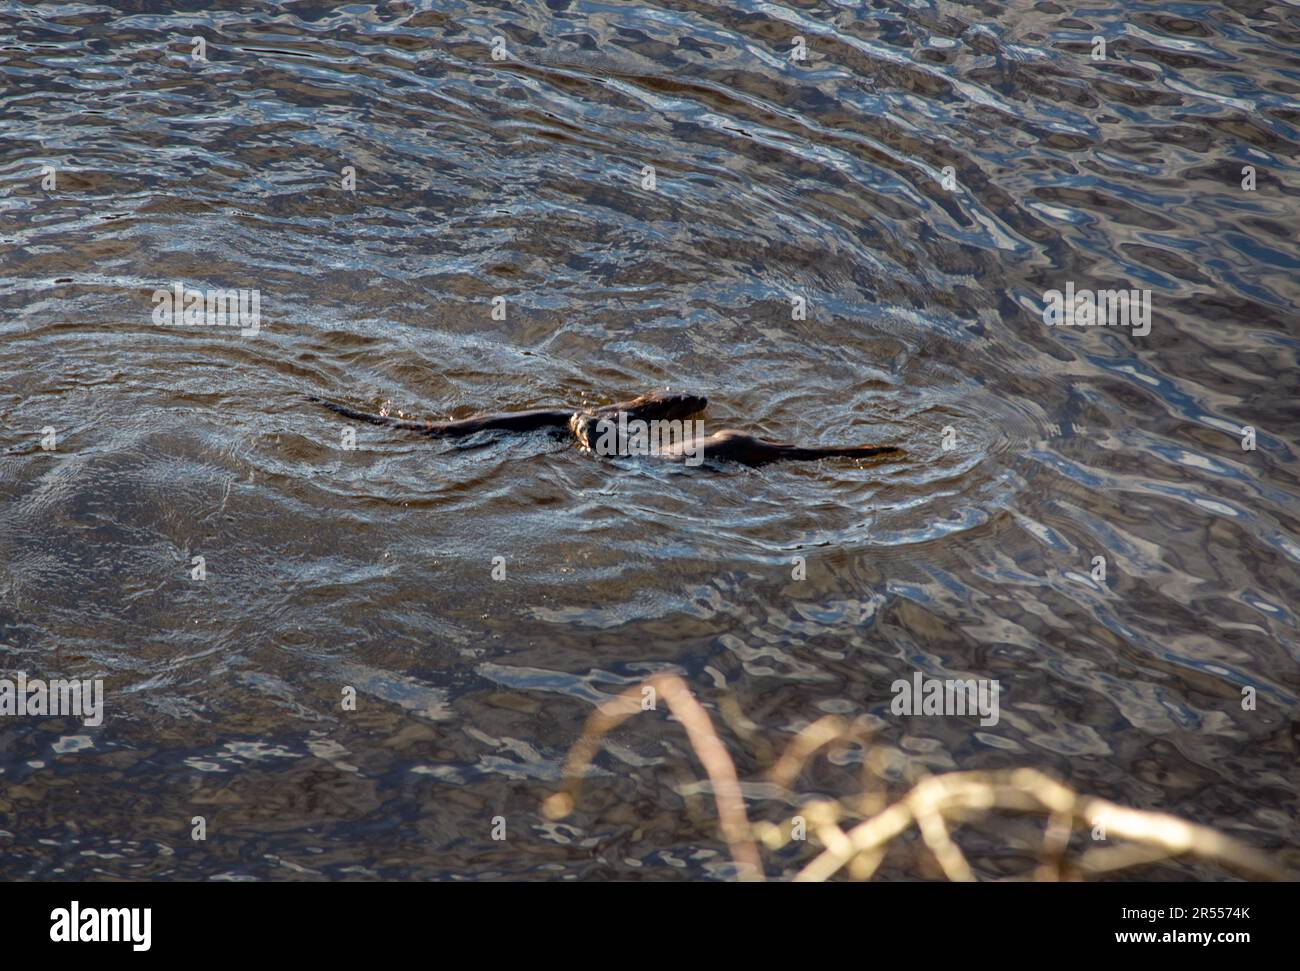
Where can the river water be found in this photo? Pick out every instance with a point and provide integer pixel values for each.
(850, 247)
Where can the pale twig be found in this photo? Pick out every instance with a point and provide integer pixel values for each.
(1112, 858)
(864, 865)
(1028, 789)
(868, 836)
(1056, 840)
(803, 746)
(932, 804)
(946, 853)
(704, 741)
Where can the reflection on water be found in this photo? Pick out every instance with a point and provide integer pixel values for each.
(652, 189)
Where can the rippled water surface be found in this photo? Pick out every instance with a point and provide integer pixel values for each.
(920, 180)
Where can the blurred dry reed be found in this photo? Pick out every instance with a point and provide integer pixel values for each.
(854, 832)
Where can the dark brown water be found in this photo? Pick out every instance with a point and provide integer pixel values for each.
(523, 178)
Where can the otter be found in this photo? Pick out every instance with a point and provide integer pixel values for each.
(728, 445)
(511, 421)
(655, 405)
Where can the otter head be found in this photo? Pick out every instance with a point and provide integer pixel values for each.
(662, 405)
(657, 405)
(583, 426)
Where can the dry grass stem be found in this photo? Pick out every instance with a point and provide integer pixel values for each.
(933, 805)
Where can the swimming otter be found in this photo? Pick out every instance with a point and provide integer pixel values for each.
(604, 435)
(727, 445)
(516, 421)
(730, 445)
(664, 405)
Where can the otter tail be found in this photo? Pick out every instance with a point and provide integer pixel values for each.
(384, 420)
(798, 452)
(510, 421)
